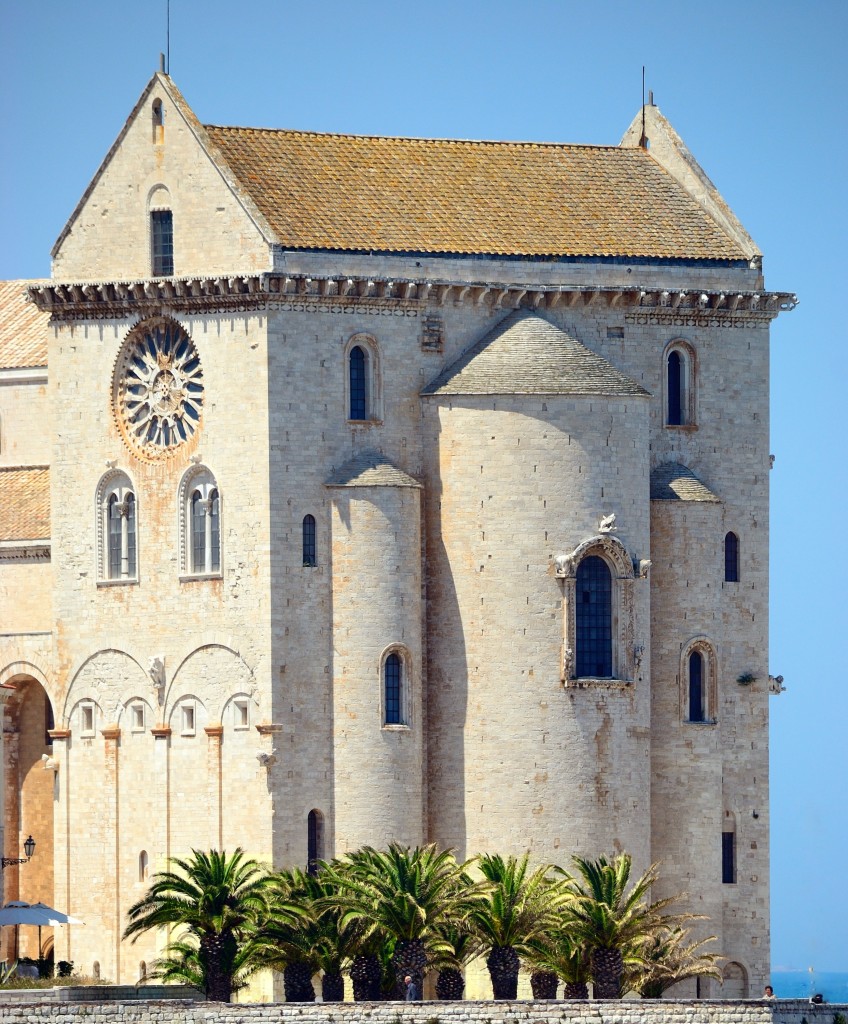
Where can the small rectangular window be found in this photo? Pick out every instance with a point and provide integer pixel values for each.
(187, 720)
(162, 242)
(241, 714)
(137, 718)
(728, 857)
(88, 719)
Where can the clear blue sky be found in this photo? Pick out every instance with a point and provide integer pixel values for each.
(758, 91)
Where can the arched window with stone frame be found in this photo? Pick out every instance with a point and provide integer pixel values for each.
(698, 681)
(199, 501)
(117, 529)
(679, 385)
(599, 624)
(396, 681)
(363, 381)
(731, 557)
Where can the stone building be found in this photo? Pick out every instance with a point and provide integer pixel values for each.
(363, 489)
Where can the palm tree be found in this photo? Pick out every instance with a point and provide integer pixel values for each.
(314, 942)
(215, 901)
(459, 947)
(611, 919)
(402, 894)
(561, 954)
(668, 957)
(520, 906)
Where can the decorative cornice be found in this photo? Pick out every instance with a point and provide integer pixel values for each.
(25, 550)
(214, 730)
(268, 728)
(244, 292)
(111, 732)
(59, 734)
(161, 732)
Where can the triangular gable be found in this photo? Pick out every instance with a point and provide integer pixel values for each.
(526, 354)
(197, 129)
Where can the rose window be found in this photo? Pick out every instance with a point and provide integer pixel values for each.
(158, 388)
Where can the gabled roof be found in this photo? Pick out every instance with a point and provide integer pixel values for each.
(23, 327)
(25, 503)
(354, 192)
(527, 355)
(370, 469)
(675, 482)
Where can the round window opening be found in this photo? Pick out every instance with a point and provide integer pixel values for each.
(158, 388)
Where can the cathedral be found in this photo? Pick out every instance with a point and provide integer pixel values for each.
(359, 489)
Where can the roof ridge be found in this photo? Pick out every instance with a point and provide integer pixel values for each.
(518, 143)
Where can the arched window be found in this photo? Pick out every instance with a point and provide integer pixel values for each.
(162, 243)
(142, 970)
(95, 969)
(697, 711)
(309, 540)
(393, 689)
(314, 841)
(358, 364)
(117, 528)
(734, 983)
(200, 526)
(731, 558)
(593, 596)
(143, 865)
(680, 384)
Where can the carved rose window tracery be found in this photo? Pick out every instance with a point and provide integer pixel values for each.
(158, 388)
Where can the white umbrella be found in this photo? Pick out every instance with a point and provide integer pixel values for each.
(18, 912)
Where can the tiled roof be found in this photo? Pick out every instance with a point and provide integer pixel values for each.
(527, 355)
(23, 327)
(370, 469)
(434, 195)
(676, 482)
(25, 503)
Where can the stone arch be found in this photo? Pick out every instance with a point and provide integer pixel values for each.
(215, 673)
(159, 197)
(373, 377)
(107, 677)
(407, 682)
(734, 983)
(688, 368)
(604, 544)
(24, 668)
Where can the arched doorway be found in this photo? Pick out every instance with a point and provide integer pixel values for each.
(735, 982)
(29, 785)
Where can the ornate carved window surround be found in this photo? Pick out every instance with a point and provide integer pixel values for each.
(627, 651)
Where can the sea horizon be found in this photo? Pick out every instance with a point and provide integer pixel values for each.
(801, 983)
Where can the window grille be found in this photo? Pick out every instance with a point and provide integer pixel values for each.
(731, 558)
(198, 533)
(162, 242)
(114, 538)
(696, 687)
(309, 540)
(594, 618)
(675, 389)
(131, 549)
(214, 516)
(358, 384)
(392, 673)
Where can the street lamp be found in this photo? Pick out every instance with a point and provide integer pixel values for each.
(29, 850)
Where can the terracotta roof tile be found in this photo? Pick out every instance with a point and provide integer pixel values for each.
(676, 482)
(23, 327)
(25, 503)
(527, 355)
(434, 195)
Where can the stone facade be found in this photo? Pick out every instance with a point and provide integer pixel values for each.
(247, 700)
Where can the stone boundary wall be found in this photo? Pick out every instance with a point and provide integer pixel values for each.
(182, 1011)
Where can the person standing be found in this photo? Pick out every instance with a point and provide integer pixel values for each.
(413, 993)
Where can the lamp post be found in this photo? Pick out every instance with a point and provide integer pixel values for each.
(29, 850)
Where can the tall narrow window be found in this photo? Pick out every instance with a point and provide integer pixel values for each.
(131, 545)
(117, 529)
(696, 687)
(393, 683)
(728, 858)
(115, 533)
(314, 841)
(200, 507)
(309, 540)
(731, 558)
(158, 122)
(143, 864)
(162, 242)
(358, 384)
(49, 721)
(675, 389)
(594, 618)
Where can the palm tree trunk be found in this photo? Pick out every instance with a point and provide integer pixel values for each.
(219, 982)
(607, 968)
(366, 975)
(297, 983)
(332, 987)
(503, 964)
(576, 990)
(544, 984)
(409, 958)
(450, 984)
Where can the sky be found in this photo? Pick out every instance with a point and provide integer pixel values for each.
(759, 93)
